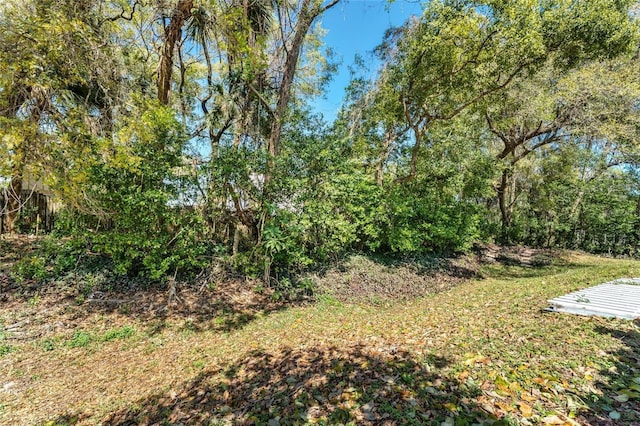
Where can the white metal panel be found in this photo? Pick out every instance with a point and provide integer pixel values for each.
(617, 299)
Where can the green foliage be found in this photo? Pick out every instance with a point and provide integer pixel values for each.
(147, 232)
(423, 220)
(80, 339)
(123, 332)
(5, 349)
(326, 204)
(467, 91)
(558, 206)
(48, 344)
(30, 268)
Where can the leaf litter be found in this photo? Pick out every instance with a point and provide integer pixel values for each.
(480, 352)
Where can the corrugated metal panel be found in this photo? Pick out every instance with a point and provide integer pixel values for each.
(615, 299)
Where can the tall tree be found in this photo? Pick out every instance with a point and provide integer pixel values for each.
(595, 104)
(460, 52)
(172, 34)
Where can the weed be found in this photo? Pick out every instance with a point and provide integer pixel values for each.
(307, 285)
(123, 332)
(199, 364)
(189, 328)
(329, 301)
(33, 267)
(5, 349)
(80, 339)
(48, 344)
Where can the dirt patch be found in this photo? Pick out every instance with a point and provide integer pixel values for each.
(368, 280)
(516, 255)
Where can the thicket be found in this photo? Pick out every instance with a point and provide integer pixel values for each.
(179, 136)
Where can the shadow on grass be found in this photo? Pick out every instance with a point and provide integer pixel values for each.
(228, 305)
(77, 286)
(619, 391)
(329, 385)
(506, 262)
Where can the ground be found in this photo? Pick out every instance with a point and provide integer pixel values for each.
(473, 346)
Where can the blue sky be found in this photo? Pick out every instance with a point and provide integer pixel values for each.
(357, 26)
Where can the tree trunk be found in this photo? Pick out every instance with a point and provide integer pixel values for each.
(14, 204)
(291, 64)
(172, 34)
(505, 213)
(309, 11)
(383, 156)
(20, 158)
(13, 199)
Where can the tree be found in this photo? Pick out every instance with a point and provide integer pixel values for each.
(49, 91)
(460, 52)
(595, 104)
(253, 52)
(172, 34)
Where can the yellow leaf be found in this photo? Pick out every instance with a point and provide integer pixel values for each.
(451, 406)
(526, 409)
(540, 381)
(504, 406)
(475, 358)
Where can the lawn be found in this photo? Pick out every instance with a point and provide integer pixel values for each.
(482, 351)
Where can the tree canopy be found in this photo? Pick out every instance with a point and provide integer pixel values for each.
(175, 133)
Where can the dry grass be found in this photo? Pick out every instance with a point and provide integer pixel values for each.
(480, 351)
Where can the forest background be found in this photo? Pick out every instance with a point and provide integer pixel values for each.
(179, 135)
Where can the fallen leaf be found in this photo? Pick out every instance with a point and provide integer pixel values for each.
(475, 359)
(552, 420)
(526, 409)
(614, 415)
(451, 406)
(448, 422)
(503, 406)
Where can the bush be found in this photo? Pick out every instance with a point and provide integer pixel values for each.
(30, 268)
(133, 216)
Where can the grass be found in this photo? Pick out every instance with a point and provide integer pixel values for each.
(481, 352)
(5, 349)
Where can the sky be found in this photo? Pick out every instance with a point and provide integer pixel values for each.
(357, 27)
